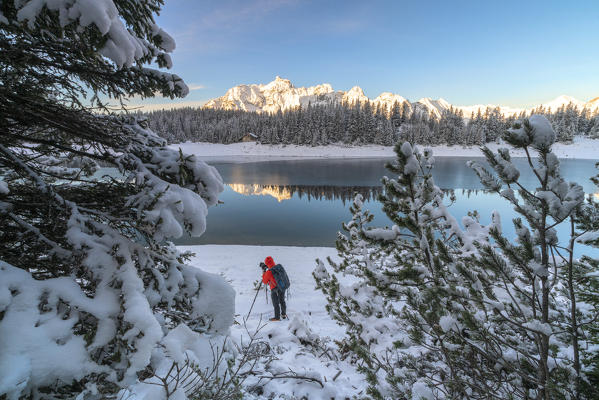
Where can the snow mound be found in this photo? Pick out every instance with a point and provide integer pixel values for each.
(37, 348)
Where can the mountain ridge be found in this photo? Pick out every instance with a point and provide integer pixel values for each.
(282, 95)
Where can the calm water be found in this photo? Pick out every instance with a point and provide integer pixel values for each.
(304, 202)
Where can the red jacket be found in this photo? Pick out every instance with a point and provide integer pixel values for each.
(268, 278)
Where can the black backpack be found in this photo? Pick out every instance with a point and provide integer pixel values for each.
(280, 277)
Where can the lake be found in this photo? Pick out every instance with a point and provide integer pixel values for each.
(304, 202)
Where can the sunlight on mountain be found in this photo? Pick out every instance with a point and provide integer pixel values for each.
(278, 192)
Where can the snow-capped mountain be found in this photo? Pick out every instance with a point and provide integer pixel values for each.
(389, 98)
(593, 104)
(354, 95)
(279, 193)
(435, 107)
(280, 94)
(277, 95)
(563, 100)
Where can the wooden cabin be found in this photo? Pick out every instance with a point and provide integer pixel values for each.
(249, 137)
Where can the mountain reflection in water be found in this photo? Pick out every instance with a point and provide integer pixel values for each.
(325, 192)
(310, 192)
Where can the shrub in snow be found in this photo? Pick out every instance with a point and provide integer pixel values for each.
(442, 309)
(93, 297)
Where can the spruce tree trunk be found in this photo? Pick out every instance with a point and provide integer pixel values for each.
(573, 309)
(543, 372)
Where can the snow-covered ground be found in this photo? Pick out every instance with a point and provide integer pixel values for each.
(308, 318)
(581, 148)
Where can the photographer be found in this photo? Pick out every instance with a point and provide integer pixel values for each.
(277, 291)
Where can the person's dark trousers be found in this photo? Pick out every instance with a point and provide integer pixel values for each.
(278, 302)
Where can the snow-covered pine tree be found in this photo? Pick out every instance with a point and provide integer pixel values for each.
(402, 288)
(520, 324)
(440, 311)
(493, 126)
(90, 287)
(480, 129)
(451, 130)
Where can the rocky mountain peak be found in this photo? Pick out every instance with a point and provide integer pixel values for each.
(279, 85)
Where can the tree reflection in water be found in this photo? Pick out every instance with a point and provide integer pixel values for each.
(310, 192)
(325, 192)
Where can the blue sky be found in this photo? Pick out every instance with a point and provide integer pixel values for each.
(516, 53)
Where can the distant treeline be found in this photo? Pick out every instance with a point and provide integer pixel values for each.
(358, 124)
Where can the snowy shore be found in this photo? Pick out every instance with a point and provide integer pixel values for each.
(581, 148)
(308, 318)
